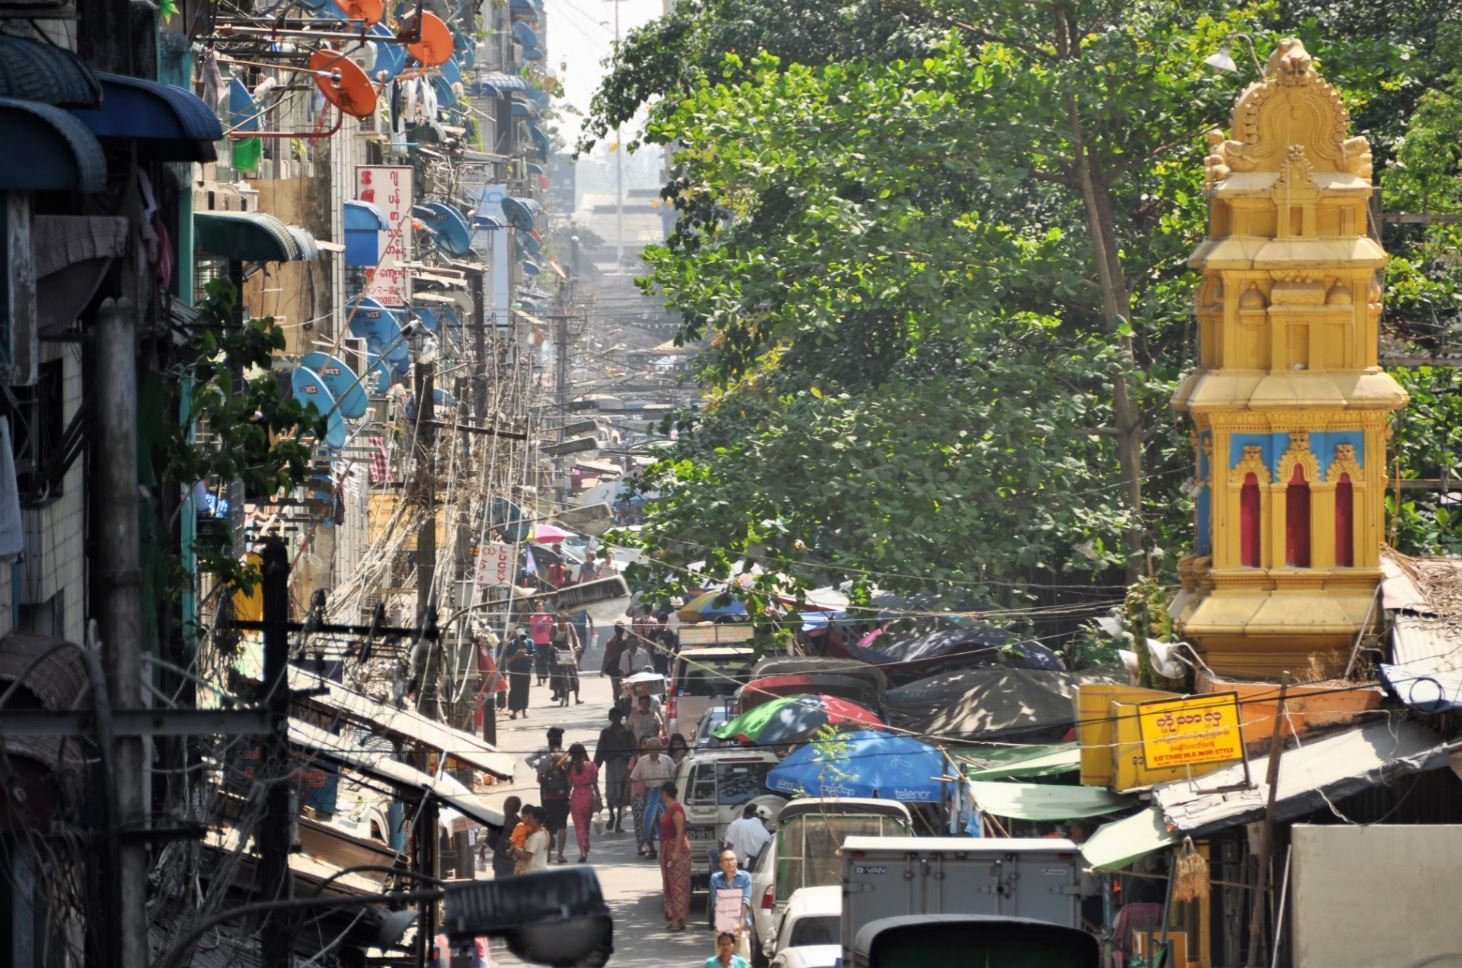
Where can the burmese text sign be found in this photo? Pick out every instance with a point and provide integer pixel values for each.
(1185, 732)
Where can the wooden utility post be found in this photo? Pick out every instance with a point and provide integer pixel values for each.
(1266, 832)
(275, 881)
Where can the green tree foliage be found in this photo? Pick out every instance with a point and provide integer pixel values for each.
(939, 263)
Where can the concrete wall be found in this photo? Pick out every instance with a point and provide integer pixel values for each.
(1377, 895)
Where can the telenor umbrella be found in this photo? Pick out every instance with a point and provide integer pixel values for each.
(864, 764)
(794, 718)
(547, 534)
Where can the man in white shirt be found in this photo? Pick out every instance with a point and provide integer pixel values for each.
(747, 835)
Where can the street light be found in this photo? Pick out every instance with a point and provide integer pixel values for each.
(1223, 60)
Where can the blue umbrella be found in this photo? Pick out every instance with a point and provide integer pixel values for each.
(864, 764)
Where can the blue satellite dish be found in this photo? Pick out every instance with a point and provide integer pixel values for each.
(524, 34)
(540, 140)
(487, 222)
(381, 330)
(382, 372)
(427, 317)
(530, 267)
(450, 70)
(309, 389)
(341, 381)
(521, 213)
(243, 110)
(528, 243)
(446, 97)
(453, 233)
(390, 57)
(442, 398)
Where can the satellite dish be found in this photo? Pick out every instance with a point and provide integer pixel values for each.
(427, 317)
(369, 12)
(522, 213)
(382, 371)
(310, 390)
(340, 380)
(434, 45)
(343, 83)
(390, 58)
(443, 398)
(452, 71)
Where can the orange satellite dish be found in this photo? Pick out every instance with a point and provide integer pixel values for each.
(343, 83)
(433, 46)
(368, 11)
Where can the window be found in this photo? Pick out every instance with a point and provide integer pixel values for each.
(38, 427)
(739, 782)
(1344, 523)
(1297, 520)
(711, 678)
(703, 785)
(1249, 522)
(822, 929)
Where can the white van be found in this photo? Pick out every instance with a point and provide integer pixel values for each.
(714, 785)
(701, 678)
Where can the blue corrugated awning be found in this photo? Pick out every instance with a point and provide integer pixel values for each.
(540, 139)
(167, 122)
(498, 84)
(364, 217)
(364, 224)
(47, 149)
(533, 6)
(32, 71)
(251, 237)
(524, 34)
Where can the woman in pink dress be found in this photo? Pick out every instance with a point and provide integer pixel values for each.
(584, 789)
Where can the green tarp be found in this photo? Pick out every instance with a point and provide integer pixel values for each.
(1000, 762)
(1115, 845)
(1046, 801)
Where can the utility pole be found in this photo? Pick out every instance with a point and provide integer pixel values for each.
(618, 167)
(1266, 831)
(275, 832)
(561, 338)
(119, 557)
(426, 489)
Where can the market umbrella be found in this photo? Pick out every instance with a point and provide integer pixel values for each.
(548, 534)
(705, 607)
(864, 764)
(791, 719)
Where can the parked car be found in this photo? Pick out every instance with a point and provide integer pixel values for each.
(714, 785)
(699, 679)
(807, 932)
(806, 852)
(714, 717)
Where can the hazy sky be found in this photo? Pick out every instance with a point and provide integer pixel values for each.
(580, 35)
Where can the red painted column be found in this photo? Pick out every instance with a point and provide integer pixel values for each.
(1249, 522)
(1344, 523)
(1297, 520)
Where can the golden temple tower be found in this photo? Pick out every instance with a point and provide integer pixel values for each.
(1290, 410)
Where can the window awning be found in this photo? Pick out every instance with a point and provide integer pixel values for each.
(1117, 844)
(251, 237)
(169, 123)
(1310, 775)
(33, 71)
(1046, 801)
(382, 767)
(402, 724)
(497, 84)
(364, 217)
(47, 149)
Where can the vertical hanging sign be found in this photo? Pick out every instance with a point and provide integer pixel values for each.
(388, 187)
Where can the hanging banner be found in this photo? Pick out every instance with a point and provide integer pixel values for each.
(1186, 732)
(388, 187)
(495, 564)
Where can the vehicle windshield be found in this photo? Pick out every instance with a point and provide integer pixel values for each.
(810, 846)
(712, 678)
(737, 783)
(822, 929)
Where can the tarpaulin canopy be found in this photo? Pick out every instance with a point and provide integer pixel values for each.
(1115, 845)
(1046, 801)
(1002, 762)
(988, 701)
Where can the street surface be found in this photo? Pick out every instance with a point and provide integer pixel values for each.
(631, 884)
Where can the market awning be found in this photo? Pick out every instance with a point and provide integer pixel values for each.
(405, 724)
(1006, 762)
(47, 149)
(1115, 845)
(382, 767)
(33, 71)
(169, 123)
(497, 84)
(1046, 801)
(251, 237)
(1320, 771)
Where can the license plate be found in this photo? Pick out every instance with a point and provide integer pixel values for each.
(701, 832)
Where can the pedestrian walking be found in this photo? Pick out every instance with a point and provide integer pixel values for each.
(645, 721)
(678, 749)
(540, 630)
(584, 797)
(559, 574)
(553, 785)
(502, 844)
(533, 855)
(726, 956)
(589, 570)
(612, 755)
(518, 657)
(649, 772)
(674, 858)
(613, 651)
(566, 655)
(727, 883)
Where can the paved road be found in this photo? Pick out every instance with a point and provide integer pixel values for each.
(631, 884)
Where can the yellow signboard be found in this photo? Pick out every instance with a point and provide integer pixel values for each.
(1187, 732)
